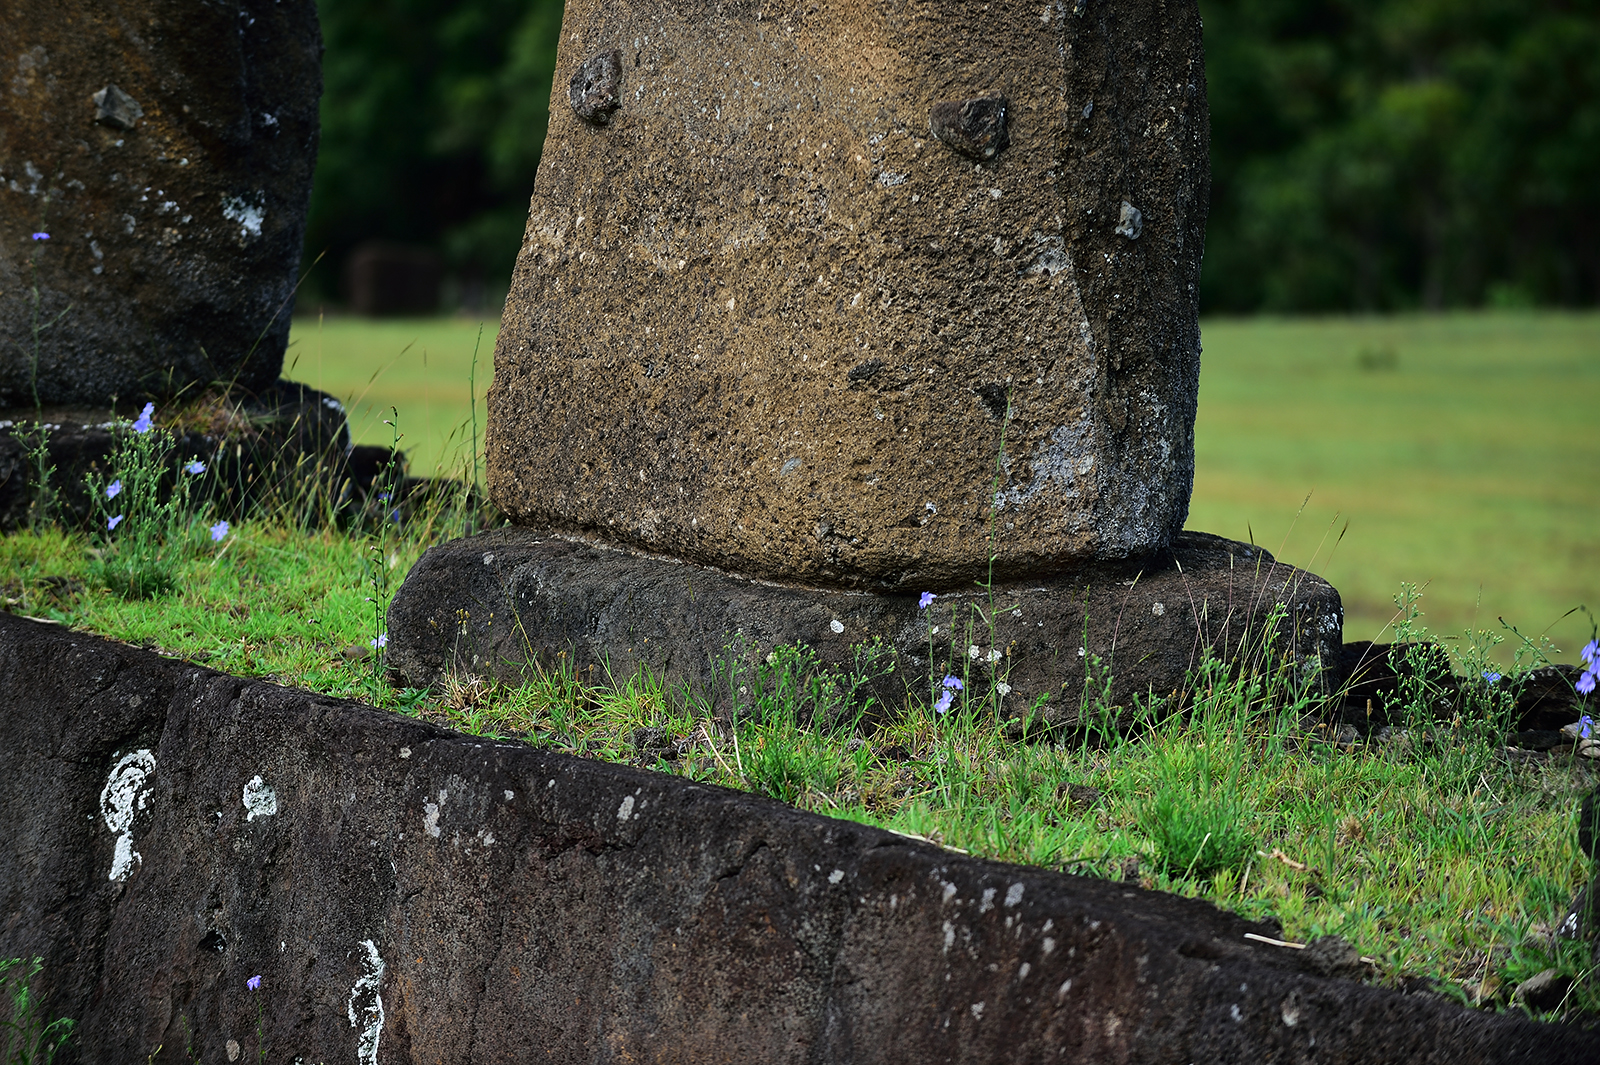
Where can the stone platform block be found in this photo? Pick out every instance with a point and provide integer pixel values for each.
(813, 292)
(501, 602)
(410, 895)
(167, 149)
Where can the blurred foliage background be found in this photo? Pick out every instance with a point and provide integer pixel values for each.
(1366, 154)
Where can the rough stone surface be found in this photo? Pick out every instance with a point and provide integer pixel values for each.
(410, 895)
(763, 319)
(167, 148)
(486, 604)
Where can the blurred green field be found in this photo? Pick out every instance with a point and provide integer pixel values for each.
(423, 368)
(1462, 450)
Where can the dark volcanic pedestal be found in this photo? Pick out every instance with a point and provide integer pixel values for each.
(497, 603)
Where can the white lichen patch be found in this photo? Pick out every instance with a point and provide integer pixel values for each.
(248, 214)
(259, 799)
(126, 792)
(1013, 895)
(836, 876)
(625, 810)
(430, 819)
(366, 1004)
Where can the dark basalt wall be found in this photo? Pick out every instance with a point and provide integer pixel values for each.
(411, 895)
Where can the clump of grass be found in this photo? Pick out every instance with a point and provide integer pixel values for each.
(27, 1038)
(147, 528)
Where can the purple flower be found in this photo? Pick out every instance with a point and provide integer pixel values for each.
(1591, 650)
(926, 601)
(143, 424)
(944, 701)
(1585, 685)
(381, 642)
(195, 467)
(1586, 725)
(218, 531)
(952, 684)
(254, 983)
(395, 516)
(113, 522)
(41, 236)
(114, 489)
(1492, 678)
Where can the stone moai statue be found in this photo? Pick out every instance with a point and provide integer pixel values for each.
(155, 169)
(825, 306)
(862, 295)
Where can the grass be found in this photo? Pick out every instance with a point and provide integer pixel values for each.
(1460, 449)
(1437, 859)
(1440, 860)
(421, 367)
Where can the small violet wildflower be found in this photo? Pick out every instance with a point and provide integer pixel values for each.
(381, 642)
(951, 686)
(1585, 727)
(944, 702)
(254, 983)
(926, 601)
(1591, 656)
(113, 522)
(41, 236)
(218, 531)
(114, 489)
(143, 424)
(1492, 677)
(195, 467)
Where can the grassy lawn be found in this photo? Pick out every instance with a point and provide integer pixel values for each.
(423, 368)
(1436, 858)
(1462, 450)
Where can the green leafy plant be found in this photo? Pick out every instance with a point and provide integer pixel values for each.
(28, 1040)
(146, 527)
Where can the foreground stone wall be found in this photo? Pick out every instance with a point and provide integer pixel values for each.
(411, 895)
(167, 149)
(795, 276)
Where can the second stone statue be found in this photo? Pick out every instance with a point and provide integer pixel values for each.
(843, 294)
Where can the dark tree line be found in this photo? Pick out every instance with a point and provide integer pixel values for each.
(1366, 154)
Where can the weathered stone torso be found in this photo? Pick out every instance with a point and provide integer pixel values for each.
(167, 149)
(763, 319)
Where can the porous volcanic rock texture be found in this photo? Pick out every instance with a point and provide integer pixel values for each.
(406, 894)
(496, 603)
(175, 202)
(763, 319)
